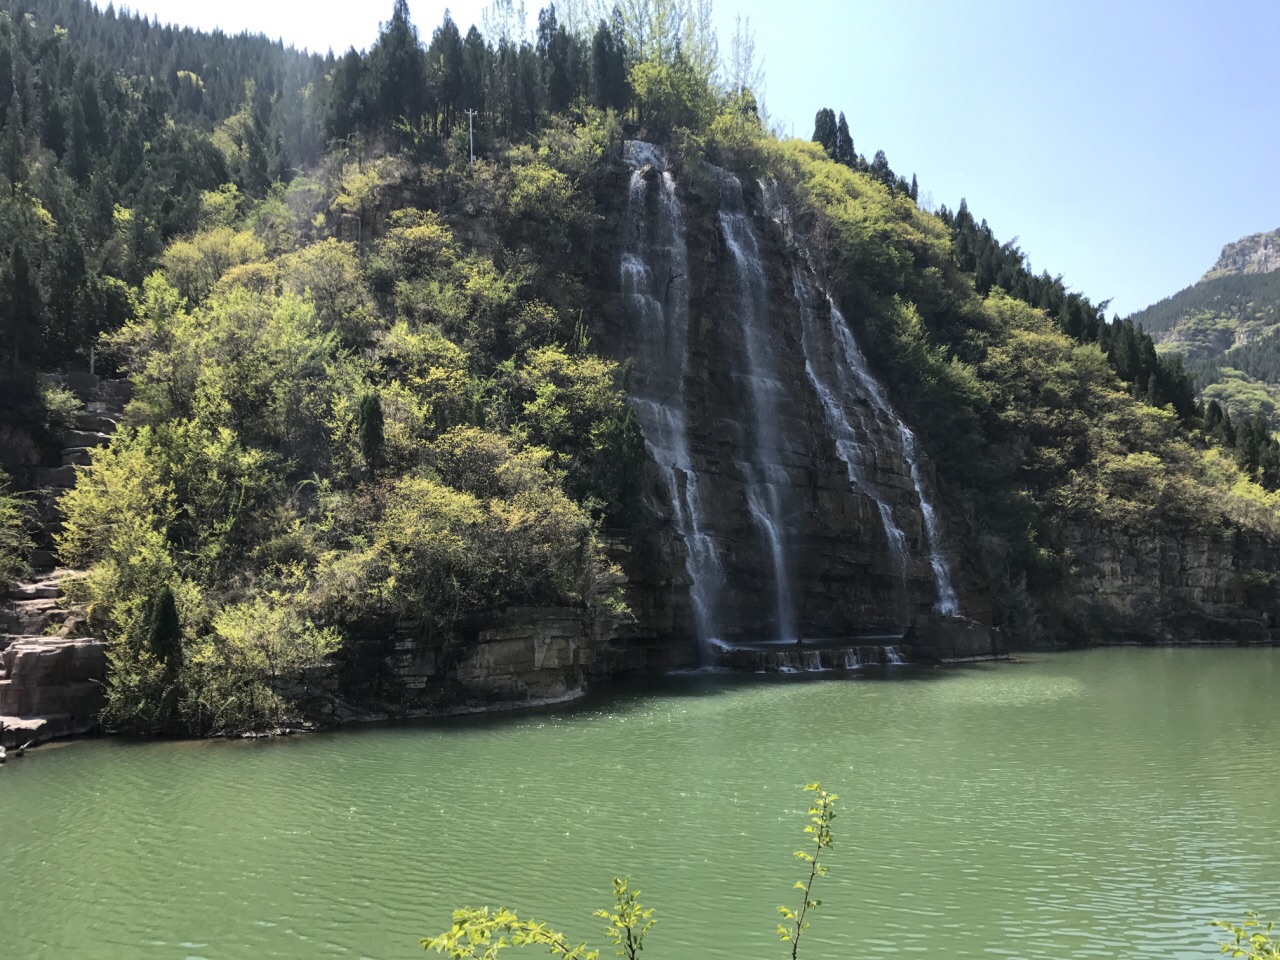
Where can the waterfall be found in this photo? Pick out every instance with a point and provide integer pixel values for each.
(768, 485)
(853, 377)
(947, 603)
(654, 265)
(857, 458)
(894, 656)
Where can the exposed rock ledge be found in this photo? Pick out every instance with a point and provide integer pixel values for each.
(1173, 588)
(50, 687)
(937, 639)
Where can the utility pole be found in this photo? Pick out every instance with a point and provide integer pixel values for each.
(471, 132)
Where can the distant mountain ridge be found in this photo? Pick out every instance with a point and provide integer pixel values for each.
(1227, 327)
(1259, 253)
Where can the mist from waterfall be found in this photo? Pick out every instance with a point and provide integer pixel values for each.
(768, 484)
(655, 269)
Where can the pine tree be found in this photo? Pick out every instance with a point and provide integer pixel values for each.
(824, 130)
(164, 638)
(844, 143)
(880, 169)
(20, 310)
(609, 67)
(915, 190)
(370, 427)
(396, 71)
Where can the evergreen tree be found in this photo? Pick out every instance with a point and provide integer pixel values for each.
(880, 169)
(824, 130)
(370, 427)
(396, 71)
(915, 189)
(20, 310)
(609, 68)
(164, 638)
(844, 143)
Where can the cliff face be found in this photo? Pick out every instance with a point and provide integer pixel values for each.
(1259, 253)
(781, 475)
(1190, 588)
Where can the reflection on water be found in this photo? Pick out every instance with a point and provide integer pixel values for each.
(1094, 804)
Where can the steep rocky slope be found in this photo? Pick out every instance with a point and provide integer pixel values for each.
(1226, 325)
(1259, 253)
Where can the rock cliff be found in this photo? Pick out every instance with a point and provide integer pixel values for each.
(1259, 253)
(1179, 588)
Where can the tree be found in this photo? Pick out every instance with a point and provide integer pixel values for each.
(20, 309)
(824, 130)
(915, 190)
(164, 639)
(880, 169)
(15, 543)
(1253, 939)
(844, 143)
(369, 423)
(609, 67)
(745, 72)
(395, 74)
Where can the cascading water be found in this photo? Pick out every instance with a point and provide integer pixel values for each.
(853, 376)
(856, 361)
(768, 485)
(654, 264)
(857, 457)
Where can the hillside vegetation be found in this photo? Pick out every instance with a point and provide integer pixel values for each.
(365, 387)
(1227, 327)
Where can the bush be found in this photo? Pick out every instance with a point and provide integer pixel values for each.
(15, 543)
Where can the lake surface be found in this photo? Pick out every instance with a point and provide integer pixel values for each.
(1094, 804)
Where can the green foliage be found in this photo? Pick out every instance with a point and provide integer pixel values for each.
(671, 94)
(60, 408)
(15, 543)
(629, 922)
(370, 425)
(821, 815)
(481, 935)
(1252, 939)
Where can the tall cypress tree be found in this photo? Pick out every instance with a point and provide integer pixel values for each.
(164, 639)
(844, 143)
(369, 424)
(824, 130)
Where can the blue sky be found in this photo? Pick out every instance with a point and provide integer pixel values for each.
(1122, 142)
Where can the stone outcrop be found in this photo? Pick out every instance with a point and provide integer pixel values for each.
(51, 681)
(50, 687)
(1259, 253)
(1168, 588)
(516, 657)
(937, 639)
(809, 656)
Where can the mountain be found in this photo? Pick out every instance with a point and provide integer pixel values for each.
(641, 386)
(1227, 326)
(1259, 253)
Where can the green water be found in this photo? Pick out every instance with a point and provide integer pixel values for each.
(1093, 804)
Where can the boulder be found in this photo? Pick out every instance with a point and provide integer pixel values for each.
(940, 639)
